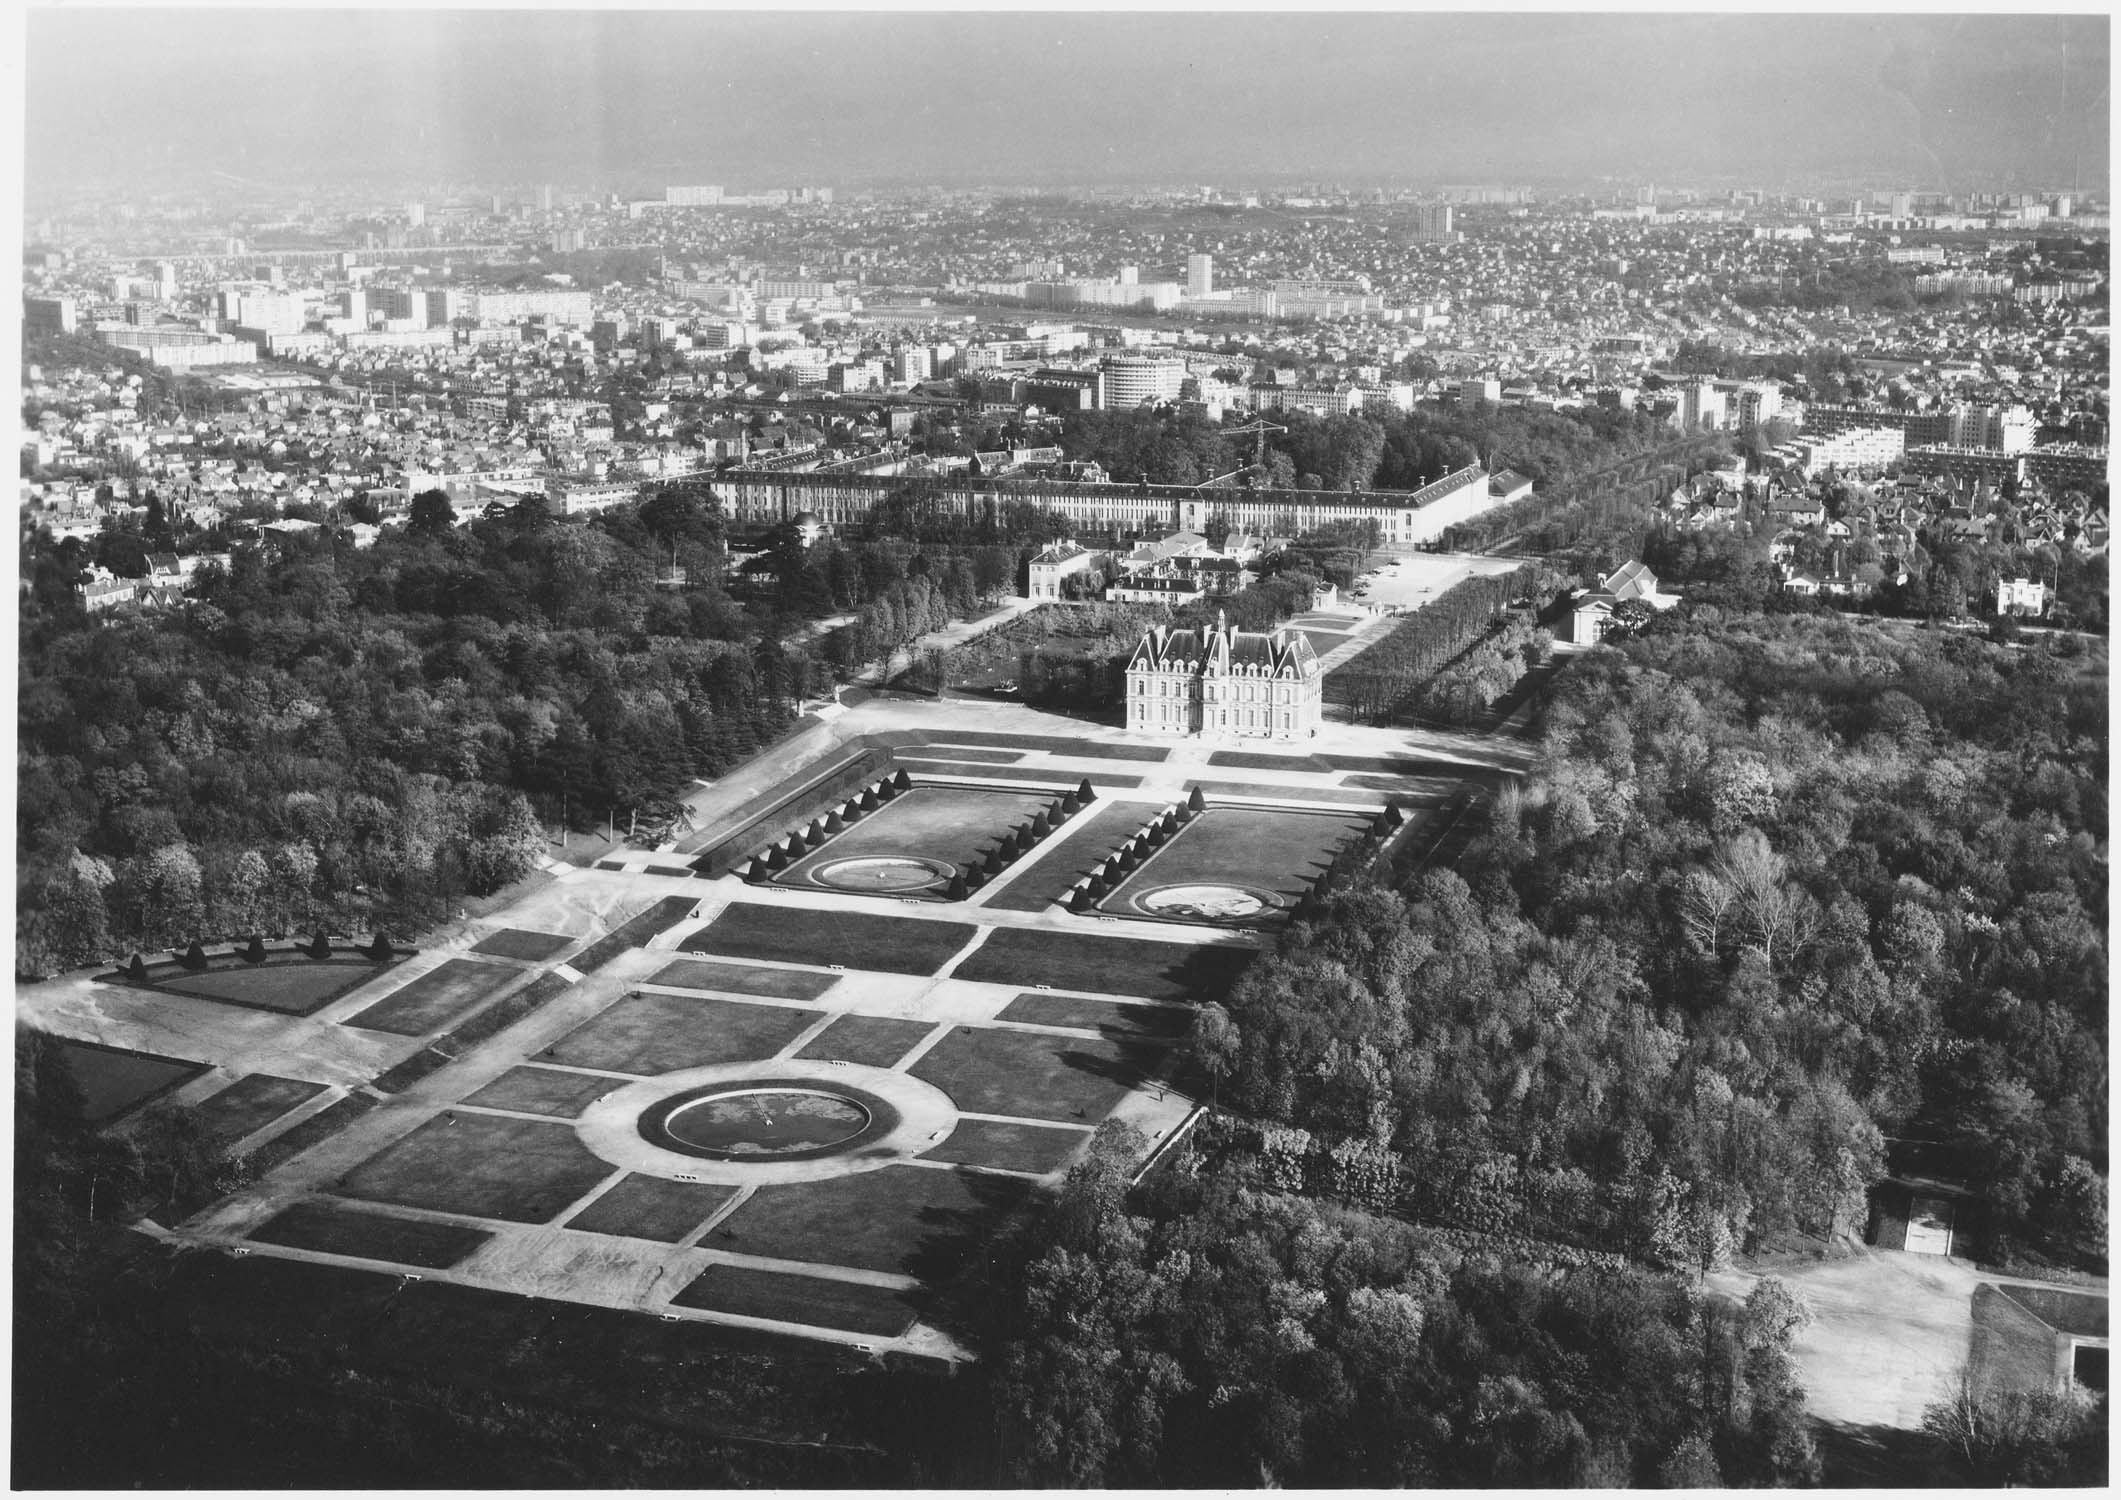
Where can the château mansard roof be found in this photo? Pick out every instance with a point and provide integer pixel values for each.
(1276, 653)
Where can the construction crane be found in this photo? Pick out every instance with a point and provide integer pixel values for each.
(1262, 427)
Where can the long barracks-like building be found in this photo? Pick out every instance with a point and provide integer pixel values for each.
(1404, 517)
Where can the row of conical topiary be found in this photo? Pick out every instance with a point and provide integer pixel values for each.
(1019, 841)
(1135, 852)
(1351, 861)
(198, 960)
(779, 855)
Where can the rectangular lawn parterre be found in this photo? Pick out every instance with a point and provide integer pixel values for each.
(956, 825)
(252, 1103)
(916, 1221)
(1036, 1075)
(1073, 855)
(852, 1306)
(1058, 778)
(744, 979)
(1052, 744)
(435, 998)
(1262, 848)
(544, 1091)
(855, 940)
(291, 985)
(1145, 968)
(491, 1166)
(1253, 760)
(1084, 1014)
(1009, 1147)
(1325, 795)
(975, 757)
(873, 1041)
(518, 942)
(336, 1229)
(652, 1208)
(113, 1080)
(648, 1034)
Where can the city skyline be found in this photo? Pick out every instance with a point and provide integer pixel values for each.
(615, 101)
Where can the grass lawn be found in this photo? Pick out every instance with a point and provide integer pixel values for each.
(252, 1103)
(1334, 796)
(1009, 1146)
(1055, 776)
(743, 979)
(1264, 848)
(956, 825)
(873, 1041)
(293, 986)
(1052, 744)
(1142, 967)
(812, 1300)
(1115, 1017)
(976, 757)
(649, 1034)
(337, 1230)
(1088, 840)
(113, 1080)
(1253, 760)
(912, 1220)
(855, 940)
(1035, 1075)
(544, 1091)
(516, 942)
(436, 998)
(524, 1171)
(653, 1208)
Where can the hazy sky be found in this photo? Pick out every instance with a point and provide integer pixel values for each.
(632, 100)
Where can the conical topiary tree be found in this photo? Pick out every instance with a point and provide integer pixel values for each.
(975, 877)
(255, 953)
(137, 969)
(1196, 802)
(1082, 900)
(993, 864)
(1071, 805)
(194, 957)
(958, 890)
(901, 782)
(1057, 809)
(319, 946)
(1086, 794)
(834, 823)
(1042, 824)
(380, 949)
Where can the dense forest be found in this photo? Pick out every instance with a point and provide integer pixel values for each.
(331, 736)
(1209, 1329)
(1782, 890)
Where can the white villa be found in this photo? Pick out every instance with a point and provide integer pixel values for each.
(1253, 684)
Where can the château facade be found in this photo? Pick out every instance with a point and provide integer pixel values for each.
(1251, 684)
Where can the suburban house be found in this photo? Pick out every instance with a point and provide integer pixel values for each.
(1591, 612)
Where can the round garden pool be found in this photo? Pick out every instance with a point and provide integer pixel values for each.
(1207, 902)
(767, 1119)
(884, 873)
